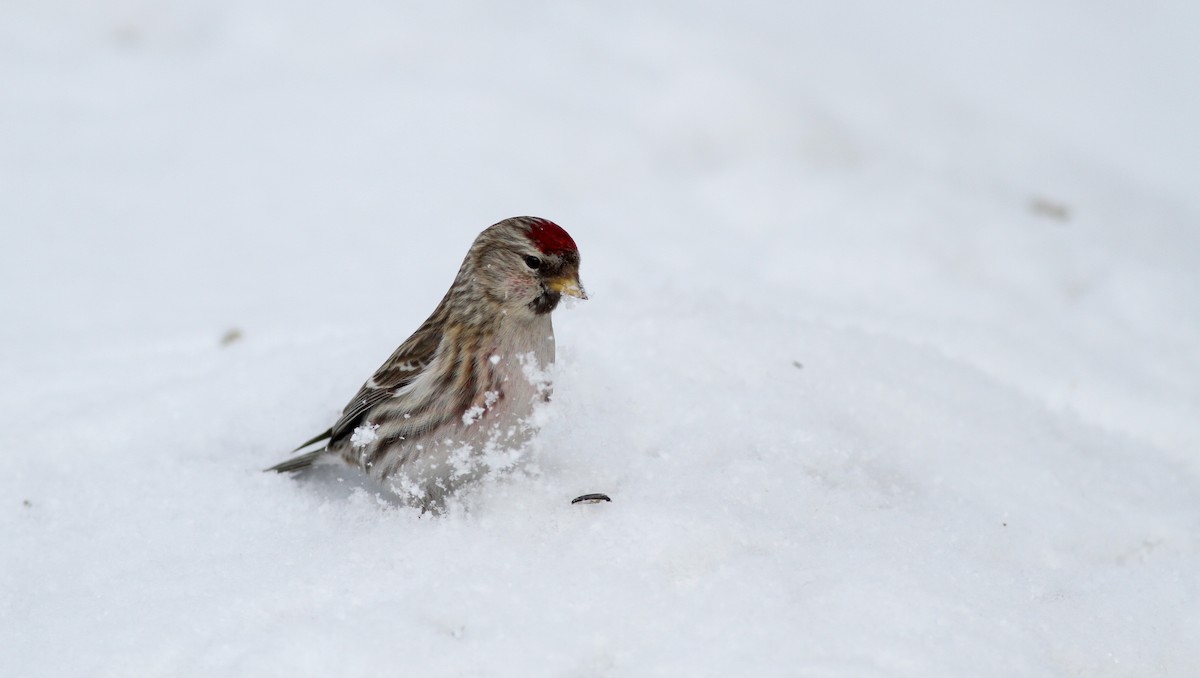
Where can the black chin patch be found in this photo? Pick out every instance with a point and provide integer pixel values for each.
(546, 302)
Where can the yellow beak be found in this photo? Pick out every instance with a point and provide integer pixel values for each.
(568, 285)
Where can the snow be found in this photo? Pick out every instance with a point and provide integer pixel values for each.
(973, 225)
(472, 414)
(364, 435)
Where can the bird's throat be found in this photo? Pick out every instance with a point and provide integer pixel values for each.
(546, 302)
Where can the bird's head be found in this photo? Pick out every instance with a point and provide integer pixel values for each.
(526, 264)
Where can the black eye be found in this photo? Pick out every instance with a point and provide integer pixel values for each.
(533, 262)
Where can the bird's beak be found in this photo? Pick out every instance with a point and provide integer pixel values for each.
(568, 285)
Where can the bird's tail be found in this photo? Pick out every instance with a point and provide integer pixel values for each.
(297, 463)
(305, 460)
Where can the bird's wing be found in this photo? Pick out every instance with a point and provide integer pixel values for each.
(404, 365)
(413, 356)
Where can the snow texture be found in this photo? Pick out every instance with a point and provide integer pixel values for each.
(891, 365)
(364, 435)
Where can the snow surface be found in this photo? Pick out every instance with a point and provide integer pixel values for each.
(890, 367)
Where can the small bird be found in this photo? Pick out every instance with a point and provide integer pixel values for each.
(459, 392)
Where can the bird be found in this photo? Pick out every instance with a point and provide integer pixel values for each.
(458, 394)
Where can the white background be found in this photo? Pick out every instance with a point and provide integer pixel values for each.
(974, 227)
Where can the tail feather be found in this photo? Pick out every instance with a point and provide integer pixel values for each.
(296, 463)
(318, 438)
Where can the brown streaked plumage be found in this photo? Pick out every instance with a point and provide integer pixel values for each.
(464, 384)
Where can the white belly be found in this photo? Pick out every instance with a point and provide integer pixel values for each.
(492, 434)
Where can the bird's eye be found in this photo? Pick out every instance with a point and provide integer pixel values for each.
(533, 262)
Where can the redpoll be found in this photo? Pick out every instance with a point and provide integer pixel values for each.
(464, 385)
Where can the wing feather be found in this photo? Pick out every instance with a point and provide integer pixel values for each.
(404, 365)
